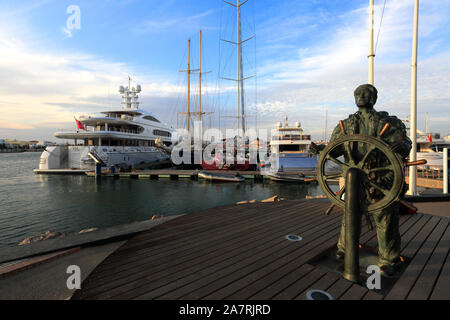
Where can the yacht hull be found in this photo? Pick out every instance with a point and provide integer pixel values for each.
(297, 161)
(77, 157)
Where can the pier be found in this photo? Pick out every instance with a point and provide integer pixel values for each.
(241, 252)
(175, 174)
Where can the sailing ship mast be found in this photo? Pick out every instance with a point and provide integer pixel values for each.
(190, 71)
(371, 52)
(240, 68)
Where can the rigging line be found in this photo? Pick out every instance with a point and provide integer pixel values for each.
(255, 67)
(379, 28)
(180, 81)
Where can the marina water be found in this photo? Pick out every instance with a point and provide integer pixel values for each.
(31, 204)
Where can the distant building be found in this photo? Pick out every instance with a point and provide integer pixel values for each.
(45, 143)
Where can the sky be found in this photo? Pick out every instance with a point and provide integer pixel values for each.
(303, 60)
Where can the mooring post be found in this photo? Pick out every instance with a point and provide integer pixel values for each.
(445, 182)
(353, 216)
(98, 170)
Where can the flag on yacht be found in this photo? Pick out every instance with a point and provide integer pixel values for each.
(79, 124)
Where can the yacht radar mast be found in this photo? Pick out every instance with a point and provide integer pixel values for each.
(129, 96)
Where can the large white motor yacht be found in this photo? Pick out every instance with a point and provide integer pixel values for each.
(119, 137)
(291, 147)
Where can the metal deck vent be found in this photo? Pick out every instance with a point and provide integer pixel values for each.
(293, 237)
(318, 295)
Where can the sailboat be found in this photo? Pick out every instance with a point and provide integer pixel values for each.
(240, 162)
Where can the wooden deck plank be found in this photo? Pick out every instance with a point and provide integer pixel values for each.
(339, 288)
(167, 277)
(432, 231)
(410, 241)
(425, 283)
(123, 262)
(371, 295)
(240, 252)
(225, 242)
(322, 284)
(271, 290)
(215, 258)
(406, 222)
(184, 227)
(441, 290)
(262, 278)
(299, 286)
(355, 292)
(275, 256)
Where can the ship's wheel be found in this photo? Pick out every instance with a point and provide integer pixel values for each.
(382, 170)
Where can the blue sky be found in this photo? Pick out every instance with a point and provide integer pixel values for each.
(308, 57)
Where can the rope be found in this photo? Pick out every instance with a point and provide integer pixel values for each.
(379, 28)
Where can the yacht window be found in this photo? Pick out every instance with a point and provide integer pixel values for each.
(289, 147)
(162, 133)
(150, 118)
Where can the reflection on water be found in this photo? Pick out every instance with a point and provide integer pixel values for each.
(31, 204)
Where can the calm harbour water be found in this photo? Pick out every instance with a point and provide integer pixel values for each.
(31, 204)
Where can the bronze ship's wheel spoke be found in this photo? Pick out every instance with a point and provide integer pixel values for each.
(363, 160)
(332, 176)
(341, 192)
(349, 152)
(382, 190)
(386, 168)
(339, 163)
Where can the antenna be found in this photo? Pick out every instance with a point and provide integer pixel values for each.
(129, 96)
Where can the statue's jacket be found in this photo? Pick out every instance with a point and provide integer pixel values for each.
(371, 123)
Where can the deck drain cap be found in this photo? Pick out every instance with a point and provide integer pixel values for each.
(293, 237)
(318, 295)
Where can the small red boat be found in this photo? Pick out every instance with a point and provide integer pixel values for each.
(219, 164)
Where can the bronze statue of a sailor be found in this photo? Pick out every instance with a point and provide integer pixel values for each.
(369, 122)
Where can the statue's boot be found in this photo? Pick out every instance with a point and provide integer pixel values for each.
(387, 270)
(340, 255)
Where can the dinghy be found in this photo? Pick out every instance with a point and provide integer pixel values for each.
(288, 178)
(220, 177)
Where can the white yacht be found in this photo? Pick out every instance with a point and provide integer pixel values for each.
(428, 149)
(291, 147)
(119, 137)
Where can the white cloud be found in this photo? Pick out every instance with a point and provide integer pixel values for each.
(324, 75)
(39, 88)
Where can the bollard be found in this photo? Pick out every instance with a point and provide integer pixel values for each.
(445, 182)
(353, 216)
(98, 170)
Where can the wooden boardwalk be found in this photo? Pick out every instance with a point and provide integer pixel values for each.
(175, 174)
(240, 252)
